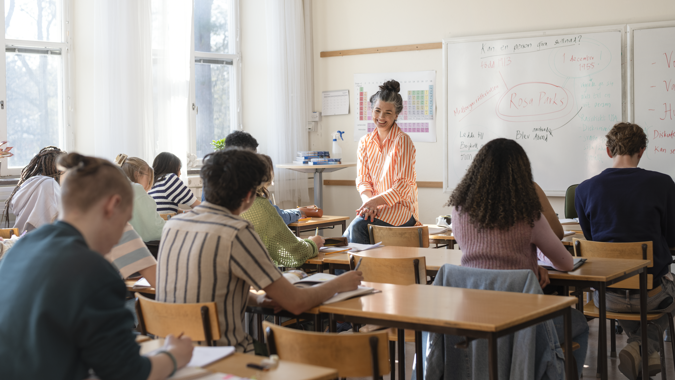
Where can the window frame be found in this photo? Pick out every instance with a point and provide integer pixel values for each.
(235, 89)
(66, 135)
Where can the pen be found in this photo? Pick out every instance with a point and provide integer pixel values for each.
(358, 264)
(317, 232)
(180, 335)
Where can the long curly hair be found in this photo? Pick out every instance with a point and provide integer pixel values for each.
(497, 190)
(43, 163)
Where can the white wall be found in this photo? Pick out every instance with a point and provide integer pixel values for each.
(352, 24)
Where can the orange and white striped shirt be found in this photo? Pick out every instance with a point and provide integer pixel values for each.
(389, 172)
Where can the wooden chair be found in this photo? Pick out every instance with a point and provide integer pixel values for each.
(636, 251)
(199, 321)
(417, 236)
(400, 271)
(7, 233)
(352, 355)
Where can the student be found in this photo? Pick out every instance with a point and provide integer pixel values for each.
(628, 204)
(169, 191)
(497, 220)
(35, 200)
(146, 221)
(385, 174)
(65, 314)
(284, 247)
(212, 254)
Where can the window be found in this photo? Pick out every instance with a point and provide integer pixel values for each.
(33, 89)
(216, 73)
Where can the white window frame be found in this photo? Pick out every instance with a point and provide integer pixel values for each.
(66, 135)
(235, 90)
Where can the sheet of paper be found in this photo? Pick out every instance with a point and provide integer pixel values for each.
(568, 221)
(356, 247)
(569, 233)
(361, 290)
(142, 283)
(333, 249)
(437, 230)
(203, 356)
(335, 103)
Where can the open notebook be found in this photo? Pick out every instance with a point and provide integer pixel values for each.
(320, 278)
(578, 261)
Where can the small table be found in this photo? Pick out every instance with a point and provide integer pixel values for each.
(599, 274)
(322, 222)
(235, 364)
(456, 311)
(318, 171)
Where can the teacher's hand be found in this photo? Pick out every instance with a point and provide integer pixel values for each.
(368, 210)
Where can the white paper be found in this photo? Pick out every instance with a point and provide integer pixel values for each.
(361, 290)
(436, 230)
(142, 283)
(569, 233)
(333, 249)
(203, 356)
(335, 103)
(418, 90)
(356, 247)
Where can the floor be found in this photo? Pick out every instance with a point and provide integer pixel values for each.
(591, 357)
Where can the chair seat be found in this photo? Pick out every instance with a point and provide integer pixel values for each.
(408, 334)
(592, 311)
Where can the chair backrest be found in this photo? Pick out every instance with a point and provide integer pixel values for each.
(399, 271)
(352, 355)
(641, 250)
(570, 211)
(199, 321)
(7, 233)
(417, 236)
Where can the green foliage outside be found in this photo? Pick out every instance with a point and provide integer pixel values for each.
(218, 144)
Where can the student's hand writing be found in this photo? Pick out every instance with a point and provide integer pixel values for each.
(349, 280)
(543, 277)
(318, 240)
(181, 348)
(269, 303)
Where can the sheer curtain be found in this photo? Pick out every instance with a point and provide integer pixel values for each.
(289, 96)
(142, 62)
(123, 83)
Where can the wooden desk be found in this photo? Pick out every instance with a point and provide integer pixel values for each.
(130, 288)
(236, 365)
(599, 274)
(455, 311)
(444, 238)
(318, 171)
(323, 222)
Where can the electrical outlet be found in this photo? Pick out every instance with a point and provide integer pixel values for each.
(315, 116)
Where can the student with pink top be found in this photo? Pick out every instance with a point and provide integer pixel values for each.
(498, 221)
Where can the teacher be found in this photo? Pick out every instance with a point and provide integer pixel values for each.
(385, 176)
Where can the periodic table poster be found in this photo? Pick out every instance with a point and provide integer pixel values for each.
(418, 90)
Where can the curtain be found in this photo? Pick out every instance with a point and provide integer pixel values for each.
(122, 61)
(142, 61)
(289, 108)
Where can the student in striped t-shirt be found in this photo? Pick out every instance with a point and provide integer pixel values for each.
(211, 254)
(169, 191)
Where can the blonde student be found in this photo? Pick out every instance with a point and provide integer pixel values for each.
(283, 246)
(146, 221)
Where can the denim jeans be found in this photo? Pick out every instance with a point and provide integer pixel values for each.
(357, 232)
(619, 303)
(579, 335)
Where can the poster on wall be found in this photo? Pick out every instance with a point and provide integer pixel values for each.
(418, 90)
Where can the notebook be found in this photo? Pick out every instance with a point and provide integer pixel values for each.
(578, 261)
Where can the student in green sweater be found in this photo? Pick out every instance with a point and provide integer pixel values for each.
(284, 247)
(64, 317)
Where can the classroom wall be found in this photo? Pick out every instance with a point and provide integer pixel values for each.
(352, 24)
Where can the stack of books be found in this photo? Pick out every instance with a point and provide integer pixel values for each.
(315, 157)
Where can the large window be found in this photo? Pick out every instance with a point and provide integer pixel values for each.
(32, 91)
(216, 73)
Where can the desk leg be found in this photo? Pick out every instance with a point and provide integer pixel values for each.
(318, 188)
(570, 371)
(602, 325)
(344, 227)
(318, 323)
(419, 360)
(401, 354)
(643, 320)
(492, 357)
(332, 325)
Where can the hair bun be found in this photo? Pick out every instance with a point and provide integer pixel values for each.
(121, 159)
(71, 160)
(391, 86)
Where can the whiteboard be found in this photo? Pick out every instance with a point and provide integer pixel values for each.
(556, 93)
(652, 81)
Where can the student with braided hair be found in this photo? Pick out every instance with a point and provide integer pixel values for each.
(35, 200)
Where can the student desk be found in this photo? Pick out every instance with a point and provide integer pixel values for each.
(318, 171)
(236, 365)
(455, 311)
(599, 274)
(322, 222)
(435, 258)
(130, 288)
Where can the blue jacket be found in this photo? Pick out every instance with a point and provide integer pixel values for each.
(531, 353)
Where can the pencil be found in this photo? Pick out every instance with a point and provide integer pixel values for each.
(358, 264)
(317, 232)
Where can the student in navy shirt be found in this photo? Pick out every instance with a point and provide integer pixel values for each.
(628, 204)
(169, 191)
(64, 317)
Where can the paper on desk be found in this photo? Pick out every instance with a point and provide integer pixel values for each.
(437, 230)
(569, 233)
(356, 247)
(361, 290)
(569, 221)
(203, 356)
(142, 283)
(333, 249)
